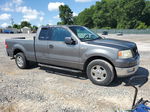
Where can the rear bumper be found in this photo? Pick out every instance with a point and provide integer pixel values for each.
(126, 71)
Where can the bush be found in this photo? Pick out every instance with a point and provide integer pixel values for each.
(107, 28)
(142, 26)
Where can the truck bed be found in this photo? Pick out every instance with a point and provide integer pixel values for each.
(21, 42)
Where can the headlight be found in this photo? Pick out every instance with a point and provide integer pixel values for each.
(125, 54)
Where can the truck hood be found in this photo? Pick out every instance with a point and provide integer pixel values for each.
(114, 43)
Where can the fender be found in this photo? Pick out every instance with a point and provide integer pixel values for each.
(98, 52)
(20, 47)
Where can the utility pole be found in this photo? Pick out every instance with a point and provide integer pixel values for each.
(12, 21)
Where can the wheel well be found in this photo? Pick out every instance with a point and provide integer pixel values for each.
(16, 51)
(97, 57)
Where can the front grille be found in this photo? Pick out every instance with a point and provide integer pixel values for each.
(135, 51)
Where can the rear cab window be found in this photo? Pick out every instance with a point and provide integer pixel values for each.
(54, 34)
(44, 34)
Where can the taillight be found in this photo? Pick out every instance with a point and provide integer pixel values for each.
(6, 45)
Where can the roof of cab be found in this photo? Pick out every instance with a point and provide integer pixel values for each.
(58, 26)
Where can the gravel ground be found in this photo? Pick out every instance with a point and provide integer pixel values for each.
(47, 89)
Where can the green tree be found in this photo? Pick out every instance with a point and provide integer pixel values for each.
(16, 26)
(66, 15)
(104, 14)
(59, 23)
(85, 18)
(121, 14)
(9, 26)
(146, 14)
(129, 13)
(34, 28)
(25, 23)
(141, 25)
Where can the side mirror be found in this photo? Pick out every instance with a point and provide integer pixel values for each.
(69, 40)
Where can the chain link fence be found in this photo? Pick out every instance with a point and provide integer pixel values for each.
(124, 31)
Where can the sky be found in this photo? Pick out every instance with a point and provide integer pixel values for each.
(38, 12)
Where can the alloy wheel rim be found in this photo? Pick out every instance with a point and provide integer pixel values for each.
(20, 61)
(98, 73)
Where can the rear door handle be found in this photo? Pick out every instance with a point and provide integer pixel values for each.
(51, 46)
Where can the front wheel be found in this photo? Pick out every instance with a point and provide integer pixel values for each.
(100, 72)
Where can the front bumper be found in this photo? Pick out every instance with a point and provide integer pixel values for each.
(126, 71)
(123, 72)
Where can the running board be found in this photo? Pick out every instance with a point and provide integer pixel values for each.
(60, 68)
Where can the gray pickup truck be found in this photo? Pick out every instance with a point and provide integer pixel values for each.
(78, 48)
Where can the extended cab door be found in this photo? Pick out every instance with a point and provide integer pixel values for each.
(41, 46)
(60, 53)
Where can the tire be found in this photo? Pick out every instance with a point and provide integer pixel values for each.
(21, 61)
(100, 72)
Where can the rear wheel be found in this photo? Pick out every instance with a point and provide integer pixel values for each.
(100, 72)
(21, 61)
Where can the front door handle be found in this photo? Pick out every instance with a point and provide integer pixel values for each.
(51, 46)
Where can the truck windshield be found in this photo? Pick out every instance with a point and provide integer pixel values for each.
(84, 34)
